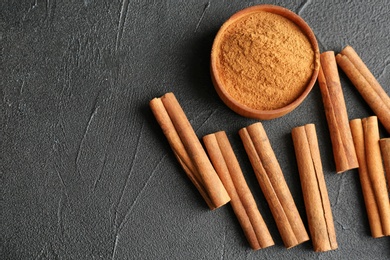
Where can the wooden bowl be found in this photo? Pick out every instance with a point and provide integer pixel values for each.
(218, 78)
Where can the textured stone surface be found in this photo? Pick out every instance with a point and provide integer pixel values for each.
(86, 172)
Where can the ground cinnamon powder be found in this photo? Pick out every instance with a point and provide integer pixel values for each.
(265, 61)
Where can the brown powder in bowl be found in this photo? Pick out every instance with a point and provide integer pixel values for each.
(265, 61)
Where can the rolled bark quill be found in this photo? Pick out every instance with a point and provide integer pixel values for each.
(368, 87)
(366, 138)
(315, 194)
(385, 149)
(336, 114)
(273, 185)
(188, 150)
(244, 205)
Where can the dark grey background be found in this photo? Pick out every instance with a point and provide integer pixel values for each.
(86, 172)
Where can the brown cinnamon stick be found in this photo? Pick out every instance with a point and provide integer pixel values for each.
(273, 185)
(188, 149)
(336, 114)
(385, 149)
(225, 162)
(376, 171)
(363, 80)
(367, 188)
(315, 194)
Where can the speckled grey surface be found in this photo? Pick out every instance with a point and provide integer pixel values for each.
(86, 172)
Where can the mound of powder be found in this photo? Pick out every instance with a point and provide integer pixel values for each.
(265, 61)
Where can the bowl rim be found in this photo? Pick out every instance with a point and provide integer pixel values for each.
(240, 108)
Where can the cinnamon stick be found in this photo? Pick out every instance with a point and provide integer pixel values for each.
(385, 149)
(367, 188)
(188, 149)
(244, 206)
(363, 80)
(336, 114)
(273, 185)
(376, 171)
(315, 194)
